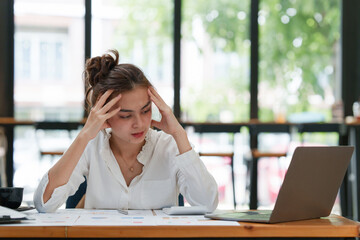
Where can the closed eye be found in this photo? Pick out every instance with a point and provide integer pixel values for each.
(125, 117)
(147, 110)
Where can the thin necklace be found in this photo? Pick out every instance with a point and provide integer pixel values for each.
(131, 167)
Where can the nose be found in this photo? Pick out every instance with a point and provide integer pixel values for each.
(137, 121)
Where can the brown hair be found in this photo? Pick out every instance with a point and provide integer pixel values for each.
(105, 72)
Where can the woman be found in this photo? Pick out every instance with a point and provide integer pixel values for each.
(126, 163)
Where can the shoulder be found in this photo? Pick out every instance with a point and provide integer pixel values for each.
(159, 137)
(162, 143)
(159, 142)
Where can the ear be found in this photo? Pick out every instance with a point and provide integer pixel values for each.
(107, 124)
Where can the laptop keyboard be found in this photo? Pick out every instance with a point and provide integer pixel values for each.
(259, 216)
(252, 213)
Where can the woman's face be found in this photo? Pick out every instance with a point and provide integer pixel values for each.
(133, 120)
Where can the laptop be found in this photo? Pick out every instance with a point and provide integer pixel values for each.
(309, 189)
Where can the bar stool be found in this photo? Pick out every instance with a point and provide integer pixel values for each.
(231, 156)
(256, 154)
(225, 154)
(46, 128)
(213, 128)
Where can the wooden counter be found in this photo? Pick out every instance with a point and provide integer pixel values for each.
(333, 226)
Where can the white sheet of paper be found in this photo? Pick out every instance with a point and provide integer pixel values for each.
(98, 217)
(192, 220)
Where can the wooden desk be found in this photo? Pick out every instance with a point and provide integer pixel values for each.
(333, 226)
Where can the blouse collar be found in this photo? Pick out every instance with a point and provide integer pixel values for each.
(145, 153)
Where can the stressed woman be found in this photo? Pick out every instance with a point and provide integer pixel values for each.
(126, 163)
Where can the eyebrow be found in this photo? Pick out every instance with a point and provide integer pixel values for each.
(128, 110)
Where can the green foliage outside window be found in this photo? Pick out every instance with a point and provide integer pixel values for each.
(299, 47)
(226, 38)
(298, 43)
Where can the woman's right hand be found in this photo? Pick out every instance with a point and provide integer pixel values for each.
(60, 173)
(99, 114)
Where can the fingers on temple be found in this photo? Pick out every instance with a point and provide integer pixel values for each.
(102, 99)
(111, 103)
(154, 92)
(112, 112)
(155, 97)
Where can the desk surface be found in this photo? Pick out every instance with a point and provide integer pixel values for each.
(333, 226)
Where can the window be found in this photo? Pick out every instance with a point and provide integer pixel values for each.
(299, 45)
(49, 59)
(298, 66)
(142, 33)
(215, 61)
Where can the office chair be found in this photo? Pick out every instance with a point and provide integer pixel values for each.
(73, 200)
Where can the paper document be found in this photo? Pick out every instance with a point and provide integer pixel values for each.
(187, 220)
(98, 217)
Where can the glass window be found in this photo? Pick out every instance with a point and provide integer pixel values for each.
(299, 76)
(142, 33)
(299, 67)
(49, 59)
(215, 50)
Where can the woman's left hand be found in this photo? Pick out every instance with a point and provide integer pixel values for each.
(168, 122)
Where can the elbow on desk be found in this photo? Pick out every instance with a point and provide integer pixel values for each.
(214, 204)
(210, 201)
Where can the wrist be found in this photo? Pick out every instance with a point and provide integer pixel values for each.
(182, 141)
(181, 133)
(84, 135)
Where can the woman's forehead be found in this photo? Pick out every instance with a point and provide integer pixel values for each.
(134, 99)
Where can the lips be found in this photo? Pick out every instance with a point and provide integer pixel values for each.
(138, 135)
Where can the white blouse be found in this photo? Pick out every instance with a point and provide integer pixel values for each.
(165, 174)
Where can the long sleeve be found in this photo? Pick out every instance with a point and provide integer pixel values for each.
(165, 173)
(195, 182)
(61, 193)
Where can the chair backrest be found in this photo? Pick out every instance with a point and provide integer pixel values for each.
(73, 200)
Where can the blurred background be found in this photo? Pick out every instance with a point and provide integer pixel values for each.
(214, 61)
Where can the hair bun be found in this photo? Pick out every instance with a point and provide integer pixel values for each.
(98, 68)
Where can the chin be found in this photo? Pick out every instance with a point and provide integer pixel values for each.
(137, 139)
